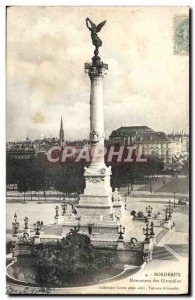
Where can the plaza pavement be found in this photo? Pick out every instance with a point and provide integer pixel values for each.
(170, 255)
(138, 200)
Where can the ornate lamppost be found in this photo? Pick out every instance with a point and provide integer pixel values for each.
(152, 234)
(149, 211)
(64, 207)
(38, 226)
(15, 225)
(166, 215)
(25, 223)
(170, 211)
(174, 198)
(121, 231)
(57, 212)
(125, 201)
(146, 232)
(77, 228)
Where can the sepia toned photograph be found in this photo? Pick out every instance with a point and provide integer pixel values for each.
(97, 150)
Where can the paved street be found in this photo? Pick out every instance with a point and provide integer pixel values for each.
(46, 212)
(32, 210)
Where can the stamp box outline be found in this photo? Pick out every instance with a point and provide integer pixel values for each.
(175, 52)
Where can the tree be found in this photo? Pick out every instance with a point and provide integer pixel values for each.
(23, 186)
(71, 259)
(69, 178)
(133, 213)
(140, 214)
(23, 178)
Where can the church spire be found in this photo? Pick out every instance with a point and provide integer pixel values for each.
(61, 125)
(61, 134)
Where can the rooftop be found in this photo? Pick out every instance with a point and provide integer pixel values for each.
(153, 136)
(130, 131)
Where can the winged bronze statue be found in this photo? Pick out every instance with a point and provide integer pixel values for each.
(97, 42)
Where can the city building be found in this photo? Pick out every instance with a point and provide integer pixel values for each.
(127, 135)
(170, 148)
(21, 150)
(181, 141)
(28, 149)
(157, 144)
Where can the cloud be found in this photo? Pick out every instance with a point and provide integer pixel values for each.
(38, 118)
(47, 47)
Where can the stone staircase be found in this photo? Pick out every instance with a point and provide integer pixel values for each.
(163, 253)
(175, 254)
(161, 235)
(54, 230)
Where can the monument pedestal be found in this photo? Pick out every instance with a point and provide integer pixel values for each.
(37, 239)
(27, 230)
(148, 249)
(15, 237)
(120, 244)
(99, 214)
(95, 206)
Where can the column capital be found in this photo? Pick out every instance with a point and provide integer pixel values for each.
(96, 136)
(96, 71)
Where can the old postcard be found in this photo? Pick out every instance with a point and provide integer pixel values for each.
(97, 144)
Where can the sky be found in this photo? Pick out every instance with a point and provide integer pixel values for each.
(146, 84)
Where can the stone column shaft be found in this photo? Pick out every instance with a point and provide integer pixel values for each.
(97, 120)
(96, 106)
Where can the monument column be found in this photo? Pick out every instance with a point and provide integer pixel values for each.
(98, 215)
(97, 134)
(97, 176)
